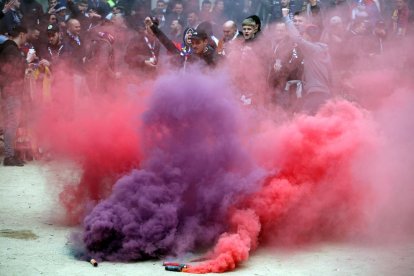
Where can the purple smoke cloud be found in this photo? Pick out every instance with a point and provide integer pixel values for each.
(195, 168)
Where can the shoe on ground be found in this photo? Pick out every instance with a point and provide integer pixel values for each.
(12, 161)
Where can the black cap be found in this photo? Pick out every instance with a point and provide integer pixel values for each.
(199, 34)
(52, 29)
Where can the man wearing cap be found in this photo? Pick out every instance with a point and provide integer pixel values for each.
(317, 65)
(54, 49)
(200, 48)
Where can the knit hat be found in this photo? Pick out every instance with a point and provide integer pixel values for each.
(59, 7)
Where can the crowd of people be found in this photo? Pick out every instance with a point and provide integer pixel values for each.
(293, 54)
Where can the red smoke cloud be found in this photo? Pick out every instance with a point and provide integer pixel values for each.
(314, 195)
(102, 136)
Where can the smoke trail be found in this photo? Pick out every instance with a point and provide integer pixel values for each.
(313, 197)
(101, 136)
(195, 168)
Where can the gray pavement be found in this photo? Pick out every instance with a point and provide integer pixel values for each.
(32, 244)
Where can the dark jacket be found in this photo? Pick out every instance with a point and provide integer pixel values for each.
(12, 69)
(32, 12)
(139, 50)
(74, 52)
(210, 57)
(11, 19)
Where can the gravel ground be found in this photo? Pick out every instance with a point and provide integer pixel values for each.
(32, 244)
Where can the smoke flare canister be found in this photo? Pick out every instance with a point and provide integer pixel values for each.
(94, 262)
(171, 264)
(173, 268)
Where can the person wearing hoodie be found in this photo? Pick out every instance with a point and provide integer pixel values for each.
(317, 65)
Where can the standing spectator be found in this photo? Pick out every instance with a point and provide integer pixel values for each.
(285, 65)
(193, 19)
(218, 16)
(230, 33)
(74, 45)
(100, 63)
(192, 5)
(143, 52)
(74, 56)
(335, 36)
(62, 15)
(177, 13)
(176, 31)
(400, 17)
(245, 55)
(87, 18)
(32, 12)
(5, 7)
(32, 39)
(314, 12)
(13, 65)
(101, 7)
(160, 13)
(233, 9)
(317, 65)
(205, 12)
(51, 6)
(250, 29)
(12, 18)
(54, 48)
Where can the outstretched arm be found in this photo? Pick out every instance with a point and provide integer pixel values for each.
(168, 44)
(307, 47)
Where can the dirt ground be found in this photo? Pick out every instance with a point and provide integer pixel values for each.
(32, 244)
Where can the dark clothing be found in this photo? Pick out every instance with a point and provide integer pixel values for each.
(85, 21)
(100, 6)
(11, 19)
(210, 57)
(317, 62)
(12, 69)
(100, 63)
(317, 70)
(140, 49)
(32, 12)
(285, 64)
(74, 51)
(53, 53)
